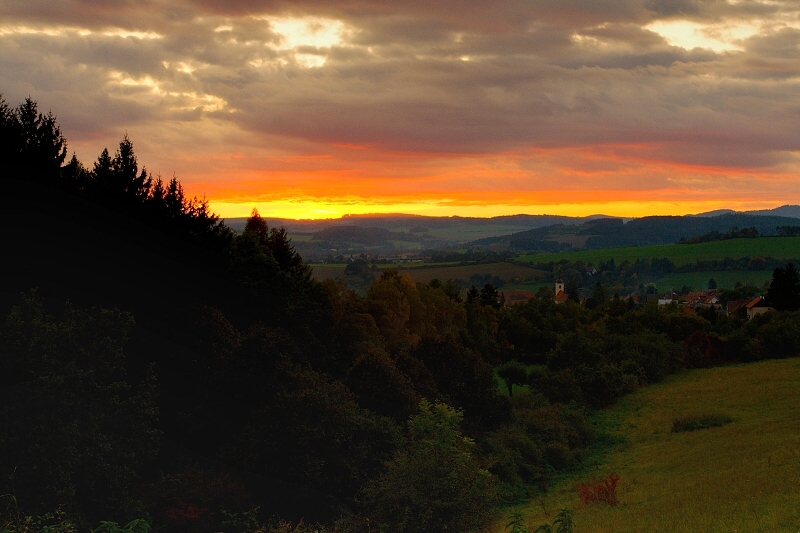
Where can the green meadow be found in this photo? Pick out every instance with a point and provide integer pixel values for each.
(743, 476)
(726, 279)
(681, 254)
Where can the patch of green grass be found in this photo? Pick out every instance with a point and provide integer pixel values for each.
(739, 477)
(704, 421)
(726, 279)
(681, 254)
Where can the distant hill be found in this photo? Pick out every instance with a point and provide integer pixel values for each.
(393, 221)
(791, 211)
(396, 233)
(614, 233)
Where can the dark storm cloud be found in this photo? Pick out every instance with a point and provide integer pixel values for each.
(457, 77)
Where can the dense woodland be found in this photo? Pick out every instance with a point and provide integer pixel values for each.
(160, 366)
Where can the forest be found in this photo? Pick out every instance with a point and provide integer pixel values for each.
(166, 372)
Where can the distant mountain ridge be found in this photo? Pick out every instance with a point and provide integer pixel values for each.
(393, 234)
(790, 211)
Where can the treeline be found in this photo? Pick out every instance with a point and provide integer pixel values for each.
(470, 256)
(733, 233)
(34, 150)
(788, 231)
(634, 276)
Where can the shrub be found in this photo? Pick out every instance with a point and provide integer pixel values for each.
(705, 421)
(562, 523)
(602, 491)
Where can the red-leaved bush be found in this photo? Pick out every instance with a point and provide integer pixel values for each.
(603, 491)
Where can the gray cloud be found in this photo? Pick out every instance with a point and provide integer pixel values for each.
(447, 78)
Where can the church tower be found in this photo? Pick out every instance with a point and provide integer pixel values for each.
(559, 286)
(561, 294)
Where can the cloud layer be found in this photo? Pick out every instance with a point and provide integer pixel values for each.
(511, 103)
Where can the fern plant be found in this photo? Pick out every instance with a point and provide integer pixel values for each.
(562, 523)
(515, 523)
(134, 526)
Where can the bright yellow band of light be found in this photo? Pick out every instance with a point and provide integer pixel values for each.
(316, 210)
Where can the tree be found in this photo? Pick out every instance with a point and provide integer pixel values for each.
(257, 225)
(513, 373)
(489, 296)
(572, 291)
(434, 484)
(127, 180)
(43, 148)
(712, 283)
(784, 291)
(73, 432)
(472, 294)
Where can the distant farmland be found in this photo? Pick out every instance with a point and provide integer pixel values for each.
(726, 279)
(681, 254)
(505, 271)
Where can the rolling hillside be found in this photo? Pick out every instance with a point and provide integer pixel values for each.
(739, 477)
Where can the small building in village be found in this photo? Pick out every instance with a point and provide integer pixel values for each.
(758, 306)
(510, 298)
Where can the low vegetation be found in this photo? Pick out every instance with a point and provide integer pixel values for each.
(703, 421)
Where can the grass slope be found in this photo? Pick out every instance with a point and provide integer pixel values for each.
(741, 477)
(681, 254)
(726, 279)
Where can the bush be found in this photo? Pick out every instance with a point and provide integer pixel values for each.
(603, 491)
(692, 423)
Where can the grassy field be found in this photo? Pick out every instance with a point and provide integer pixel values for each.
(741, 477)
(681, 254)
(725, 279)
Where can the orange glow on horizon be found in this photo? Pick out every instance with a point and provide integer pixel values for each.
(320, 210)
(624, 180)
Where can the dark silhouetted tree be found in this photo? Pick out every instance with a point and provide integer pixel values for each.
(513, 373)
(43, 148)
(489, 296)
(784, 291)
(257, 225)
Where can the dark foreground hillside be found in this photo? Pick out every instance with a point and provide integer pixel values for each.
(159, 366)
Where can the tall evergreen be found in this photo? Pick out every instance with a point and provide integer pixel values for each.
(784, 291)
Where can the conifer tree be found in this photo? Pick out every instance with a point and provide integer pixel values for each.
(42, 148)
(784, 291)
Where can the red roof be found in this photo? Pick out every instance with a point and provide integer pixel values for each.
(516, 297)
(758, 301)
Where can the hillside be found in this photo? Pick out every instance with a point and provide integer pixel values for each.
(614, 232)
(738, 477)
(390, 235)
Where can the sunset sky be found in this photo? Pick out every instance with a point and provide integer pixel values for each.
(317, 108)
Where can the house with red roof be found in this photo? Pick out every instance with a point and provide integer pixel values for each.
(510, 298)
(758, 306)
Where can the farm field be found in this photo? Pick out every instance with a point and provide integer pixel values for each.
(504, 271)
(327, 271)
(740, 477)
(681, 254)
(424, 274)
(468, 233)
(726, 279)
